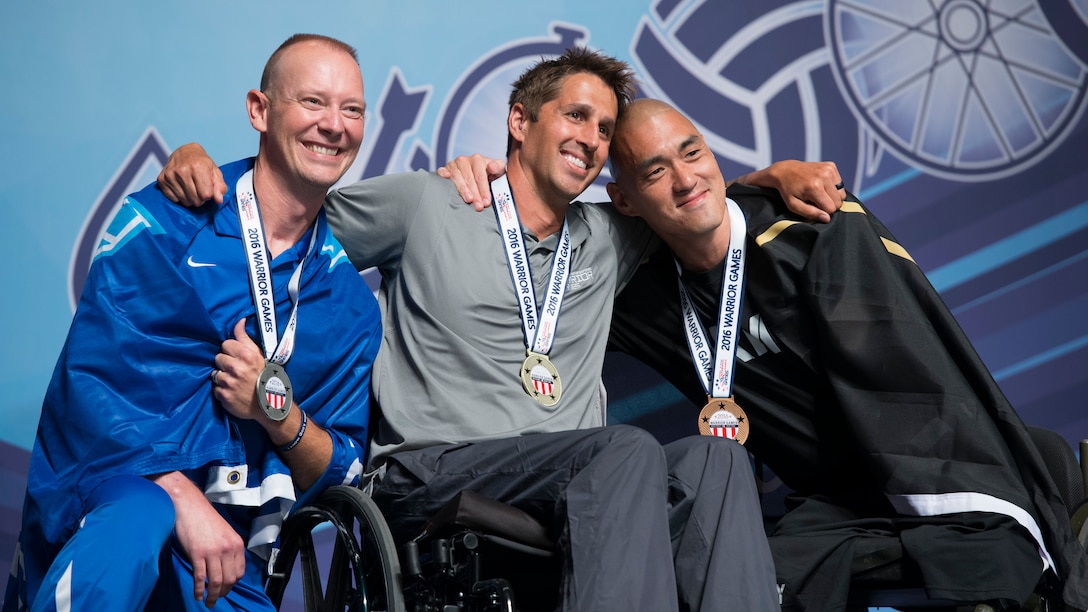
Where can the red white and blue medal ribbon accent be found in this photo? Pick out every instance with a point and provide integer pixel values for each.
(721, 416)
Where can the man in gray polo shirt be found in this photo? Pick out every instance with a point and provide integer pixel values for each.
(462, 407)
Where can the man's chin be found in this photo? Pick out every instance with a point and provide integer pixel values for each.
(581, 188)
(325, 176)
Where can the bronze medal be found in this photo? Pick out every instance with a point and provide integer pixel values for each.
(722, 417)
(274, 392)
(540, 379)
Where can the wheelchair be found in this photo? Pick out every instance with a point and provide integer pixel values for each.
(453, 565)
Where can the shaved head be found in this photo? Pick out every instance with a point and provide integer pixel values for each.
(623, 156)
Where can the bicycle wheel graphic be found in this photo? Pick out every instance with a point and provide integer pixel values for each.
(964, 89)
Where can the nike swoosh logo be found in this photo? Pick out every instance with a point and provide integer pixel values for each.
(197, 264)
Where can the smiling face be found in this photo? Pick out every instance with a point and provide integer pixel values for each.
(565, 148)
(311, 116)
(666, 174)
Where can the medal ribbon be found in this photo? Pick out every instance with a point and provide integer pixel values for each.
(717, 375)
(538, 325)
(276, 349)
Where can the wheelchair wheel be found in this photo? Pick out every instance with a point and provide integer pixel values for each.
(364, 572)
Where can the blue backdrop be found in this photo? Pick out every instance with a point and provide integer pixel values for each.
(959, 122)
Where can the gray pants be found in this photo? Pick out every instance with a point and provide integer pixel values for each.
(615, 498)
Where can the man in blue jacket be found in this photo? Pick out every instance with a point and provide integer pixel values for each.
(159, 478)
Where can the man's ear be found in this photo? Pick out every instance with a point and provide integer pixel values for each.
(516, 120)
(257, 107)
(618, 201)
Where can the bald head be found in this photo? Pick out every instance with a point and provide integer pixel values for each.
(639, 110)
(272, 74)
(627, 153)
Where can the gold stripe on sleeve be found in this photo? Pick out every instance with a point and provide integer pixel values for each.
(848, 207)
(896, 249)
(851, 206)
(773, 231)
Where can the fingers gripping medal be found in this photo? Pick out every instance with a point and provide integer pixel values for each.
(539, 377)
(274, 393)
(721, 416)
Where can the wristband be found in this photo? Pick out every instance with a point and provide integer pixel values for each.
(298, 436)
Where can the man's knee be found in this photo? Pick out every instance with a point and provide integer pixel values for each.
(634, 443)
(134, 505)
(621, 455)
(117, 544)
(719, 453)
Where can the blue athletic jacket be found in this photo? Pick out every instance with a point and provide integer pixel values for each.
(131, 392)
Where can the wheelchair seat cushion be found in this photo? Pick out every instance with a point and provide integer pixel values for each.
(471, 510)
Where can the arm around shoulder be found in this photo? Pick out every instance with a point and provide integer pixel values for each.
(811, 190)
(371, 218)
(191, 178)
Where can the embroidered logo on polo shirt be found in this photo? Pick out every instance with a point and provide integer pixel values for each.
(579, 278)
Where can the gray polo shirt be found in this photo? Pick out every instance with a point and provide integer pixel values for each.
(448, 370)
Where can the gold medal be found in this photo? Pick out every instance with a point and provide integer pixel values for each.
(274, 393)
(722, 417)
(540, 379)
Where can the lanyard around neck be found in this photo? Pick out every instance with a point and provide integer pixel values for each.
(537, 324)
(276, 349)
(716, 370)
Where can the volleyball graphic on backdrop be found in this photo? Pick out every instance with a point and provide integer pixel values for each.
(755, 99)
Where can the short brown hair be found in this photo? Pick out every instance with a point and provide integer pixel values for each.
(541, 83)
(273, 62)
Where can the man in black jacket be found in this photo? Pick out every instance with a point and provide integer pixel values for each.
(827, 350)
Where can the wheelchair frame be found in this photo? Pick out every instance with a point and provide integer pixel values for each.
(445, 570)
(364, 573)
